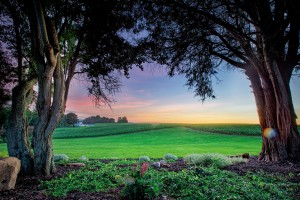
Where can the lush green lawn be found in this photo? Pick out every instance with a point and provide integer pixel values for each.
(232, 129)
(160, 140)
(105, 129)
(179, 141)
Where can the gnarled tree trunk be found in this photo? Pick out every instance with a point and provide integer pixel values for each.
(50, 101)
(18, 144)
(275, 111)
(50, 112)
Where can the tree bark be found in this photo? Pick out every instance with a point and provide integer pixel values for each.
(50, 101)
(50, 114)
(18, 144)
(275, 112)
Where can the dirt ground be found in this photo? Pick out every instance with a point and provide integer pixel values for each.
(27, 187)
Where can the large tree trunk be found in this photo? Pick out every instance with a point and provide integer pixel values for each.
(50, 114)
(276, 115)
(51, 101)
(18, 144)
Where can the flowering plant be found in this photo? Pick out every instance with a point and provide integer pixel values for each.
(139, 184)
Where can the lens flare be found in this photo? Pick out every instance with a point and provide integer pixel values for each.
(269, 133)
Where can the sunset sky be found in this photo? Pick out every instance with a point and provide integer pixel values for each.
(151, 96)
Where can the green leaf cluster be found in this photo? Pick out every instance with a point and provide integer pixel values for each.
(195, 182)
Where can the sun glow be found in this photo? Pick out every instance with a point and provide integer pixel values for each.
(153, 97)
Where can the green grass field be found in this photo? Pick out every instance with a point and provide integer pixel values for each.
(231, 129)
(106, 129)
(153, 140)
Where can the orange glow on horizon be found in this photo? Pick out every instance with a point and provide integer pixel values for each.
(149, 112)
(151, 97)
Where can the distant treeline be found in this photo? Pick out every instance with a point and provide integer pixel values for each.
(98, 119)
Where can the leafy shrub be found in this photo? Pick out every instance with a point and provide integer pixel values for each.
(210, 159)
(196, 182)
(169, 157)
(2, 139)
(140, 185)
(84, 180)
(144, 159)
(213, 183)
(83, 159)
(61, 158)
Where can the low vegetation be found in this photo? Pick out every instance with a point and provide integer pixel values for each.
(60, 158)
(194, 182)
(144, 159)
(170, 157)
(215, 160)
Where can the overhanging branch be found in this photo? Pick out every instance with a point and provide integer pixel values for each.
(228, 60)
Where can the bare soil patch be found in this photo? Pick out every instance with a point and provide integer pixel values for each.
(27, 187)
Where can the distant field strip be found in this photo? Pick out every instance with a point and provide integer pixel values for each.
(230, 129)
(99, 130)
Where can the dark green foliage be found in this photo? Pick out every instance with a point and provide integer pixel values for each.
(180, 38)
(4, 114)
(86, 179)
(98, 119)
(139, 187)
(106, 55)
(6, 78)
(63, 122)
(71, 118)
(191, 183)
(122, 119)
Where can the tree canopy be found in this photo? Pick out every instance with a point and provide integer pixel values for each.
(7, 79)
(51, 41)
(122, 119)
(98, 119)
(71, 118)
(258, 37)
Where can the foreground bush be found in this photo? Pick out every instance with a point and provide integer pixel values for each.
(139, 187)
(60, 158)
(212, 159)
(170, 157)
(195, 182)
(144, 159)
(83, 159)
